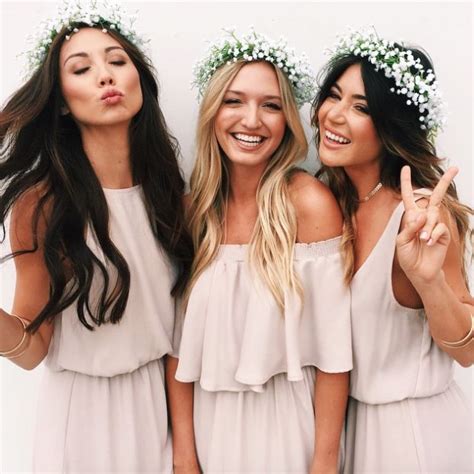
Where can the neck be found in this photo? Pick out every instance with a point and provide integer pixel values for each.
(108, 150)
(244, 182)
(364, 179)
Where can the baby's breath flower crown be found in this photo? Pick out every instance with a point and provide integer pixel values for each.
(257, 47)
(107, 14)
(398, 63)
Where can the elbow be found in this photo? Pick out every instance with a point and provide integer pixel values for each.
(464, 358)
(465, 361)
(30, 361)
(31, 364)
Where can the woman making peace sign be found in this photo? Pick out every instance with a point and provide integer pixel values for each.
(376, 111)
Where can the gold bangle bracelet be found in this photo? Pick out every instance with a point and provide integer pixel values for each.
(464, 341)
(22, 351)
(24, 323)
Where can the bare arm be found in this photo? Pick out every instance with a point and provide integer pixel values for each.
(31, 288)
(319, 218)
(433, 263)
(330, 399)
(180, 406)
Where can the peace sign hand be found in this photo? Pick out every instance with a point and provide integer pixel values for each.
(424, 239)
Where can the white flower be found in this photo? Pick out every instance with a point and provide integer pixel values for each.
(419, 86)
(255, 46)
(104, 13)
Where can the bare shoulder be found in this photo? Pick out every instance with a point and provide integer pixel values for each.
(317, 211)
(24, 213)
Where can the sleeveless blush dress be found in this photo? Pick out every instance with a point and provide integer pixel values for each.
(102, 406)
(405, 414)
(253, 367)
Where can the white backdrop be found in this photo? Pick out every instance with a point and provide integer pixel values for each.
(178, 31)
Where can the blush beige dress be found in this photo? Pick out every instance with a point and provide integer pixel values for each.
(406, 414)
(102, 406)
(253, 368)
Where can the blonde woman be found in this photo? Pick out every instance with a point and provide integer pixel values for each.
(266, 345)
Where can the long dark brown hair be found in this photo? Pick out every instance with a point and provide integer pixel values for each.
(403, 142)
(42, 149)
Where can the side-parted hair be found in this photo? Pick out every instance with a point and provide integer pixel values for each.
(42, 150)
(274, 235)
(403, 142)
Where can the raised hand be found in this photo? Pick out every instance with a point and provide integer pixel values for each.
(424, 239)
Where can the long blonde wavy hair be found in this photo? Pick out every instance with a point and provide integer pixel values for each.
(274, 235)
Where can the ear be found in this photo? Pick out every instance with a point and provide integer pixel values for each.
(64, 110)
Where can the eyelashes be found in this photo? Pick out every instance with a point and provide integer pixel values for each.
(83, 70)
(273, 106)
(78, 72)
(359, 107)
(231, 101)
(269, 105)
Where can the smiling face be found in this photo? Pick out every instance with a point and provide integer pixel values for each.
(347, 133)
(99, 82)
(250, 123)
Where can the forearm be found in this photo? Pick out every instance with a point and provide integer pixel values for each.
(180, 406)
(29, 350)
(449, 319)
(330, 400)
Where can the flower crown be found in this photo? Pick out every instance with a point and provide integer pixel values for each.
(411, 79)
(257, 47)
(106, 14)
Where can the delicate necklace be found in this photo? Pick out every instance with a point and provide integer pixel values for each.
(371, 193)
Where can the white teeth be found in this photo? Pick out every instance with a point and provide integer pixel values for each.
(337, 138)
(249, 139)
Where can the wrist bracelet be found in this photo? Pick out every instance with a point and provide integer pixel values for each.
(24, 323)
(464, 341)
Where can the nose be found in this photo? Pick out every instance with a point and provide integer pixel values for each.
(251, 117)
(105, 77)
(336, 112)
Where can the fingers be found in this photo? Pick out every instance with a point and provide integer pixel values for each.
(432, 219)
(440, 234)
(406, 189)
(410, 231)
(440, 189)
(433, 209)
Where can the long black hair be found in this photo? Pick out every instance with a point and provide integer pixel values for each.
(42, 149)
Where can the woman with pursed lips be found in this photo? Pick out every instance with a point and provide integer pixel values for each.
(99, 246)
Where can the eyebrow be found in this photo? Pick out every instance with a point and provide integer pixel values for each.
(354, 96)
(266, 97)
(85, 55)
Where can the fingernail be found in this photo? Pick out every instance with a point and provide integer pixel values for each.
(430, 242)
(424, 235)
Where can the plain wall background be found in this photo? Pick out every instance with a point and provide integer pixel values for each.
(178, 31)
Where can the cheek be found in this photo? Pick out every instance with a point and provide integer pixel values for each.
(134, 86)
(369, 138)
(221, 124)
(75, 94)
(322, 112)
(279, 129)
